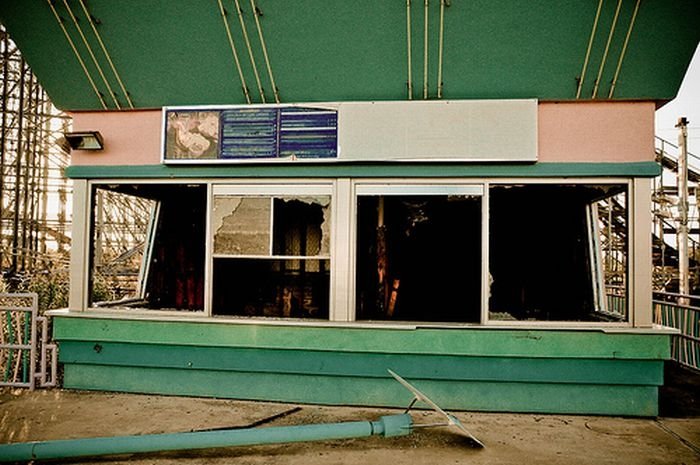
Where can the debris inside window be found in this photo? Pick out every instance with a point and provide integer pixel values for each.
(419, 258)
(271, 288)
(558, 252)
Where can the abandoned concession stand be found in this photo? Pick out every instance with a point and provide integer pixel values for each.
(458, 191)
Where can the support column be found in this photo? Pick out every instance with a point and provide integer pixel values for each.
(17, 175)
(640, 287)
(342, 278)
(683, 265)
(79, 252)
(4, 44)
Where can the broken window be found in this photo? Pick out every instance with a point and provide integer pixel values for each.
(271, 255)
(148, 246)
(241, 225)
(558, 252)
(419, 256)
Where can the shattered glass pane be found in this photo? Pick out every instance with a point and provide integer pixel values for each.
(302, 226)
(241, 225)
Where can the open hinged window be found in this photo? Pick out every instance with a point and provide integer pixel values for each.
(558, 252)
(147, 247)
(419, 250)
(271, 250)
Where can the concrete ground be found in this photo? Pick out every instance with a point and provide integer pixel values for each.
(509, 438)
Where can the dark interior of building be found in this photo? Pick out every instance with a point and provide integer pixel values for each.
(419, 258)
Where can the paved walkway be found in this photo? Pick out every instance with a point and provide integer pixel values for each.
(509, 438)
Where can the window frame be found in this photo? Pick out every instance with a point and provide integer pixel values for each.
(343, 192)
(81, 262)
(264, 188)
(630, 278)
(398, 187)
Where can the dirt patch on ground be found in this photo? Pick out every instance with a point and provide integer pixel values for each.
(679, 397)
(509, 438)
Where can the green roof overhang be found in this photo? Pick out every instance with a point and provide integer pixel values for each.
(169, 52)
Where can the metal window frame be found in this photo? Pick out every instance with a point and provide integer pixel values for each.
(633, 201)
(343, 194)
(266, 188)
(396, 187)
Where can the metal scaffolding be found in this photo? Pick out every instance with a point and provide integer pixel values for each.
(675, 211)
(34, 194)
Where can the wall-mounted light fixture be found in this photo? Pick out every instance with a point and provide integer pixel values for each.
(85, 140)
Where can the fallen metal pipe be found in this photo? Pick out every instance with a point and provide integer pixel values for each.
(387, 426)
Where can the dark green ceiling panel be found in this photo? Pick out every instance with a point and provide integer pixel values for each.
(176, 52)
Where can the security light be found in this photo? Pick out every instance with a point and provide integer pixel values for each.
(86, 140)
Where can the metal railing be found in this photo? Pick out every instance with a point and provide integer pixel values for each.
(616, 301)
(27, 358)
(682, 312)
(667, 148)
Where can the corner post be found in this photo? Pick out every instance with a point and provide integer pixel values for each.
(79, 246)
(641, 311)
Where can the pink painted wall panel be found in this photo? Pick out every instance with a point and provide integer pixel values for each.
(567, 132)
(596, 132)
(130, 137)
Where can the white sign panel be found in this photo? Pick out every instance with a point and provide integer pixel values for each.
(467, 130)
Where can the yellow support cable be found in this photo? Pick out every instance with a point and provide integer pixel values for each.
(92, 55)
(104, 50)
(235, 53)
(264, 49)
(77, 55)
(440, 42)
(408, 45)
(250, 51)
(624, 49)
(425, 50)
(588, 50)
(607, 49)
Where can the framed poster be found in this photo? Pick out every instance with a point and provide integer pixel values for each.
(191, 135)
(252, 133)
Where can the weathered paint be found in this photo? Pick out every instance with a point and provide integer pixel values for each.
(443, 341)
(554, 371)
(596, 132)
(455, 395)
(366, 364)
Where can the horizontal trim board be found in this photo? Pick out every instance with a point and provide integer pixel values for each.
(368, 365)
(478, 396)
(367, 170)
(475, 342)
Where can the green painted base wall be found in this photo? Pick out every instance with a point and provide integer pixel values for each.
(548, 371)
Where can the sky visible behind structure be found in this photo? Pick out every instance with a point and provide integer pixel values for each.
(687, 103)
